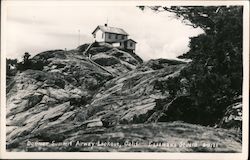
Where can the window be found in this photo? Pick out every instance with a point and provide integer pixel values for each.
(110, 36)
(116, 36)
(131, 44)
(123, 37)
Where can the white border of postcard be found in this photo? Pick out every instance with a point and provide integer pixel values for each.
(122, 155)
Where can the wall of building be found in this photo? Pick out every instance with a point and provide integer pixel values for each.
(99, 36)
(125, 45)
(116, 44)
(122, 45)
(111, 37)
(130, 45)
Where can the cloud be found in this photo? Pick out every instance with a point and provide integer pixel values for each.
(36, 29)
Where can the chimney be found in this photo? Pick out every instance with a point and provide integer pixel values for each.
(105, 25)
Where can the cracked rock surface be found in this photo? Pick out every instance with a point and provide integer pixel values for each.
(72, 101)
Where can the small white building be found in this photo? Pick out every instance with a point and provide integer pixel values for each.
(115, 36)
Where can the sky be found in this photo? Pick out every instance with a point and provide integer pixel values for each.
(35, 29)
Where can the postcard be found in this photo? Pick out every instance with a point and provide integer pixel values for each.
(124, 79)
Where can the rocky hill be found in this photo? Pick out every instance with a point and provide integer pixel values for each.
(106, 100)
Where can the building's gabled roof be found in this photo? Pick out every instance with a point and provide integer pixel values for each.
(110, 30)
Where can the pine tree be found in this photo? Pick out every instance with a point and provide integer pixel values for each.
(215, 74)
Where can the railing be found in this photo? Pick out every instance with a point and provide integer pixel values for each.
(89, 57)
(88, 48)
